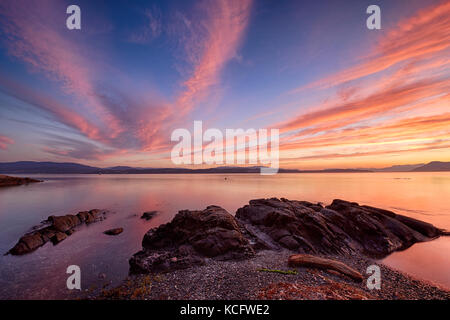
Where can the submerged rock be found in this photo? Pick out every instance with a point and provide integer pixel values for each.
(55, 229)
(113, 232)
(149, 215)
(190, 239)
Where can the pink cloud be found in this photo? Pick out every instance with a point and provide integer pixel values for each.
(130, 121)
(423, 36)
(219, 40)
(5, 142)
(58, 110)
(122, 119)
(35, 37)
(383, 102)
(399, 110)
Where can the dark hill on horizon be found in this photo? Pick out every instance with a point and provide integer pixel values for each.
(433, 167)
(35, 167)
(45, 167)
(399, 168)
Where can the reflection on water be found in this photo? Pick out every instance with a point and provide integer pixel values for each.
(42, 273)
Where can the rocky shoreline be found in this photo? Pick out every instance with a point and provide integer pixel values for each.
(8, 181)
(56, 229)
(343, 228)
(211, 254)
(242, 280)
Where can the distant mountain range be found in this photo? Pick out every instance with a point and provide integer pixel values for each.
(399, 168)
(434, 166)
(30, 167)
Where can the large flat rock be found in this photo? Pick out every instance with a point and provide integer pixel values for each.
(342, 227)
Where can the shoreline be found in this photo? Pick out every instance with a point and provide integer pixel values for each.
(211, 254)
(278, 249)
(241, 280)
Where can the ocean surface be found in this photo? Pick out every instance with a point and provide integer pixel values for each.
(104, 259)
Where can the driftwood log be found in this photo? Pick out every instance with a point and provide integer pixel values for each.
(306, 260)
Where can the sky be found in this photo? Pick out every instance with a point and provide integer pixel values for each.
(341, 95)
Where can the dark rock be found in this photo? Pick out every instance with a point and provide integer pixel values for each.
(149, 215)
(95, 215)
(47, 233)
(289, 242)
(64, 223)
(424, 228)
(20, 248)
(83, 216)
(27, 244)
(341, 228)
(190, 239)
(58, 237)
(7, 181)
(113, 232)
(55, 229)
(33, 241)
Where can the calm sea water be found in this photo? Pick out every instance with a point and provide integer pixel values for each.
(104, 259)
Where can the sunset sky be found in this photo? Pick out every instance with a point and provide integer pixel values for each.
(111, 93)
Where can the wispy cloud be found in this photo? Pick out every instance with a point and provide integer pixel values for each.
(434, 145)
(391, 132)
(5, 142)
(391, 99)
(423, 36)
(395, 100)
(383, 102)
(125, 119)
(211, 42)
(65, 147)
(118, 119)
(57, 110)
(34, 37)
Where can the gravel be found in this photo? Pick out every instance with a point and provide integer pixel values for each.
(232, 280)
